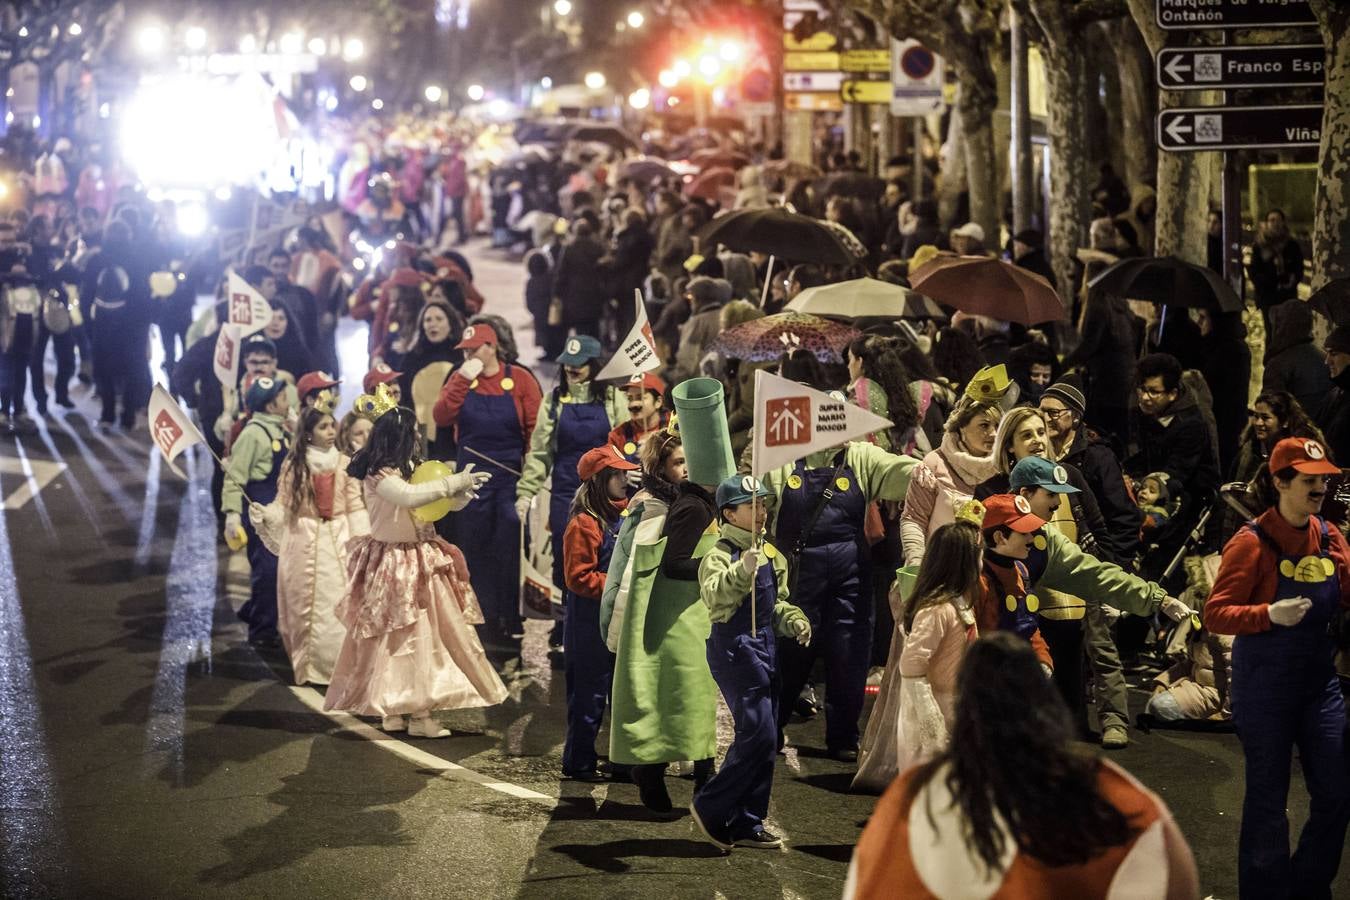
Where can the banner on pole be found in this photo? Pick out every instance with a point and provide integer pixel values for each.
(226, 359)
(793, 421)
(246, 309)
(170, 428)
(637, 353)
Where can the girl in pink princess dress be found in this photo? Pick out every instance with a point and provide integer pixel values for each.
(411, 648)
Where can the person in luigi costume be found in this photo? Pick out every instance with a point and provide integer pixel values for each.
(744, 584)
(252, 470)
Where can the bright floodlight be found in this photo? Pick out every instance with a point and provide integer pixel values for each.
(358, 83)
(681, 69)
(150, 39)
(433, 93)
(667, 78)
(318, 46)
(709, 66)
(248, 44)
(636, 19)
(193, 219)
(475, 92)
(377, 104)
(75, 29)
(292, 42)
(640, 99)
(195, 38)
(353, 50)
(562, 7)
(595, 80)
(731, 51)
(546, 83)
(499, 109)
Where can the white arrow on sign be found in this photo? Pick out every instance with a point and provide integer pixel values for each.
(1176, 68)
(1176, 128)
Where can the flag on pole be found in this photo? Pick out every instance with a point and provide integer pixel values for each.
(637, 353)
(226, 359)
(170, 428)
(246, 309)
(793, 421)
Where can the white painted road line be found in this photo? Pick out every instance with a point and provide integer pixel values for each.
(314, 700)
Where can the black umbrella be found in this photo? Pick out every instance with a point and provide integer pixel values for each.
(784, 234)
(1168, 281)
(604, 134)
(1333, 301)
(850, 184)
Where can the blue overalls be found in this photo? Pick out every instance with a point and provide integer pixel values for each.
(1017, 608)
(488, 529)
(260, 612)
(588, 667)
(1286, 694)
(833, 586)
(743, 661)
(580, 427)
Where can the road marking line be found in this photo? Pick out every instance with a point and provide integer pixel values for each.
(314, 700)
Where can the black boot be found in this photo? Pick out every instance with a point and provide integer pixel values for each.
(703, 772)
(651, 783)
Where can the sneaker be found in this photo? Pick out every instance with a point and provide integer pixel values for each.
(718, 838)
(592, 777)
(427, 727)
(760, 840)
(806, 705)
(1115, 737)
(394, 723)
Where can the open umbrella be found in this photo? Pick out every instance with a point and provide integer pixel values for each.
(768, 338)
(707, 159)
(604, 134)
(1333, 301)
(1168, 281)
(865, 298)
(784, 234)
(645, 169)
(984, 286)
(786, 168)
(850, 184)
(709, 185)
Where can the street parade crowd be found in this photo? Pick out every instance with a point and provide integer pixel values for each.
(1065, 484)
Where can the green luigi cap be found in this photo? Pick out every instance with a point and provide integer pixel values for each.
(262, 392)
(1034, 471)
(739, 489)
(579, 350)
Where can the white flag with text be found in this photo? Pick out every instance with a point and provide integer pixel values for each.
(793, 421)
(170, 428)
(637, 353)
(245, 308)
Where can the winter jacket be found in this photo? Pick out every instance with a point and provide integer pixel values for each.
(696, 335)
(577, 282)
(630, 263)
(673, 246)
(1226, 364)
(725, 585)
(1293, 362)
(1276, 269)
(1106, 354)
(1333, 417)
(1178, 443)
(945, 479)
(1119, 539)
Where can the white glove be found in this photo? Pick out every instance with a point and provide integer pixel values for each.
(750, 561)
(471, 369)
(1175, 610)
(801, 630)
(256, 512)
(1289, 611)
(635, 478)
(467, 481)
(523, 507)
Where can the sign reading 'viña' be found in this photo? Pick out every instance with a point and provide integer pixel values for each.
(1236, 127)
(1276, 65)
(1191, 14)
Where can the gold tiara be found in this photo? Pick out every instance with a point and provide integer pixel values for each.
(971, 511)
(326, 401)
(372, 406)
(990, 383)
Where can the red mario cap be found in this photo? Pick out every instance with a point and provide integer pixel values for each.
(1303, 455)
(1010, 511)
(476, 336)
(593, 462)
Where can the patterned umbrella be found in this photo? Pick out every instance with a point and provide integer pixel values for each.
(766, 339)
(984, 286)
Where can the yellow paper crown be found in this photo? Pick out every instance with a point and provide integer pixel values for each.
(326, 400)
(990, 383)
(673, 426)
(971, 511)
(372, 406)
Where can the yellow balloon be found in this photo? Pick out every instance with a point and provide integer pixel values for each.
(163, 284)
(431, 470)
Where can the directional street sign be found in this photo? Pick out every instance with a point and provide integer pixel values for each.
(821, 40)
(866, 92)
(813, 81)
(816, 61)
(1199, 14)
(1265, 66)
(817, 102)
(865, 60)
(1237, 127)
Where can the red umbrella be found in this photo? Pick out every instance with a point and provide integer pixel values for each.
(768, 338)
(984, 286)
(708, 184)
(707, 159)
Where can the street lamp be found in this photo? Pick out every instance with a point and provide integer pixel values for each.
(731, 51)
(318, 46)
(150, 40)
(636, 19)
(433, 93)
(195, 38)
(353, 50)
(292, 42)
(546, 83)
(640, 99)
(562, 7)
(708, 67)
(475, 92)
(358, 83)
(248, 45)
(377, 104)
(667, 78)
(681, 69)
(595, 80)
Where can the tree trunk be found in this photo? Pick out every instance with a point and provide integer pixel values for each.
(953, 180)
(1331, 226)
(1066, 83)
(1138, 102)
(978, 101)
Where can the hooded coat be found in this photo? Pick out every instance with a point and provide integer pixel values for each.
(1293, 362)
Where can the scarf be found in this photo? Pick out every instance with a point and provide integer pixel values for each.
(322, 460)
(966, 466)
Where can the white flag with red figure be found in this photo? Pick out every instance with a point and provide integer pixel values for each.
(637, 353)
(170, 428)
(793, 421)
(245, 308)
(226, 358)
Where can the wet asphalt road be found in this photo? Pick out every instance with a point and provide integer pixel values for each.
(147, 751)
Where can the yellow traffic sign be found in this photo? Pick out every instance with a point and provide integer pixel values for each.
(821, 40)
(814, 61)
(865, 60)
(804, 102)
(866, 92)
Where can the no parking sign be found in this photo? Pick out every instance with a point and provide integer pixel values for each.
(916, 79)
